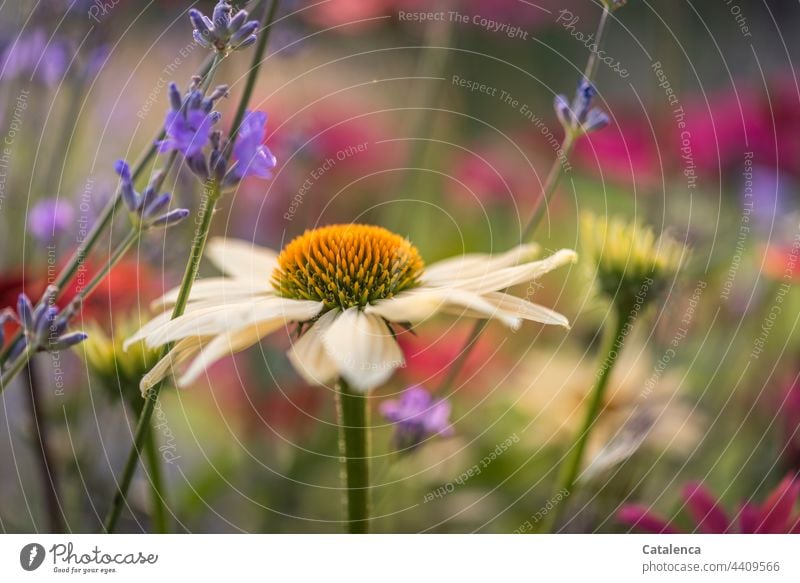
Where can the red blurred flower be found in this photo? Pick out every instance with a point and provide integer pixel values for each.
(774, 516)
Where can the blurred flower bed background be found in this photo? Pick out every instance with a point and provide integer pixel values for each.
(441, 129)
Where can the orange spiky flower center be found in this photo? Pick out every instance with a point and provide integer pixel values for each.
(345, 266)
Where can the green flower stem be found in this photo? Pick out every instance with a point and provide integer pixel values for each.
(353, 418)
(270, 11)
(122, 248)
(542, 203)
(572, 465)
(160, 518)
(206, 215)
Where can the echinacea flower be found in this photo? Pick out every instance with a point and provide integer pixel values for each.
(628, 257)
(344, 285)
(776, 515)
(417, 416)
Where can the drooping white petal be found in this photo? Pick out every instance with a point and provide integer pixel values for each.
(220, 288)
(227, 344)
(510, 276)
(525, 309)
(476, 264)
(308, 355)
(213, 320)
(242, 259)
(181, 352)
(417, 305)
(363, 349)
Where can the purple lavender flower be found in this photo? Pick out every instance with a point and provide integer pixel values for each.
(34, 55)
(44, 326)
(579, 116)
(223, 32)
(253, 158)
(417, 416)
(147, 209)
(189, 122)
(49, 218)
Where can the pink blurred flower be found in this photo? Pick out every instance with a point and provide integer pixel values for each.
(774, 516)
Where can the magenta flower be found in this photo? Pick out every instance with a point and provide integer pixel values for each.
(774, 516)
(417, 416)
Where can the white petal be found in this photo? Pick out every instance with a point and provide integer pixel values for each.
(182, 351)
(526, 310)
(213, 320)
(363, 349)
(242, 259)
(224, 345)
(510, 276)
(476, 264)
(222, 288)
(418, 305)
(308, 355)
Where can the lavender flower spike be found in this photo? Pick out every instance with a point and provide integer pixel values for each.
(417, 416)
(253, 158)
(189, 125)
(146, 209)
(580, 117)
(223, 32)
(44, 326)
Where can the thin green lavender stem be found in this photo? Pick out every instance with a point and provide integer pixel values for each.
(353, 418)
(160, 518)
(143, 426)
(49, 475)
(542, 203)
(122, 248)
(268, 17)
(572, 465)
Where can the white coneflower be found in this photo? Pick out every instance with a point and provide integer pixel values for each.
(344, 285)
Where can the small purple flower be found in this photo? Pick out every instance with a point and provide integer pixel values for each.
(223, 32)
(417, 416)
(49, 218)
(45, 326)
(148, 208)
(189, 122)
(579, 116)
(253, 158)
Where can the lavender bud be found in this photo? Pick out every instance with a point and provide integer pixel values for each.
(250, 40)
(199, 22)
(221, 15)
(583, 100)
(67, 341)
(17, 348)
(171, 218)
(156, 206)
(129, 195)
(197, 164)
(237, 21)
(44, 324)
(175, 97)
(243, 33)
(200, 39)
(25, 312)
(596, 120)
(563, 111)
